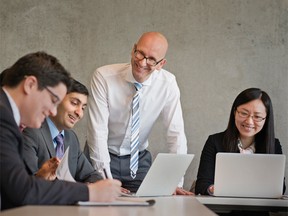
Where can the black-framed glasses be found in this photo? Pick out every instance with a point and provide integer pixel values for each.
(246, 115)
(149, 60)
(55, 98)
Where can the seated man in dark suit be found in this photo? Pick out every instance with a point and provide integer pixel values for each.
(31, 89)
(40, 145)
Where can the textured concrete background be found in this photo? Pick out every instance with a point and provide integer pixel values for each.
(217, 49)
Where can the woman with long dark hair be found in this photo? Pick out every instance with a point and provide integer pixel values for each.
(250, 130)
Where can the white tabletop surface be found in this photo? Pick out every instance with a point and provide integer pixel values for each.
(173, 205)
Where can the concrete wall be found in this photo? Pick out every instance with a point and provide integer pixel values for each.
(217, 49)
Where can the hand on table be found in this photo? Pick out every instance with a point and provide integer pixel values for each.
(106, 190)
(124, 190)
(181, 191)
(210, 190)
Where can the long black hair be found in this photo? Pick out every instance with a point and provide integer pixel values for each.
(265, 139)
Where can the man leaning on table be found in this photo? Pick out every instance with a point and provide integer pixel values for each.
(31, 90)
(126, 101)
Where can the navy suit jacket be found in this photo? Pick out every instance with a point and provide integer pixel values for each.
(17, 186)
(39, 147)
(206, 171)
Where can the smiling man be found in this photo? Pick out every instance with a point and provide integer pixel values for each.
(126, 101)
(31, 89)
(41, 146)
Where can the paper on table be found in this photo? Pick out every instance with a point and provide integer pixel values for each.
(62, 171)
(121, 202)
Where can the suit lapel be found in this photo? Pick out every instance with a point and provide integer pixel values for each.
(66, 139)
(45, 131)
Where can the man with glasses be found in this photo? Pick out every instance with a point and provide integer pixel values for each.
(114, 115)
(40, 145)
(31, 89)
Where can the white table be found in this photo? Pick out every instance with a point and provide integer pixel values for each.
(226, 204)
(173, 205)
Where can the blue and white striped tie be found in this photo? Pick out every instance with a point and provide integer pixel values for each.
(135, 132)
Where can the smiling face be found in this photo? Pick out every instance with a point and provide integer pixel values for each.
(152, 45)
(70, 110)
(39, 104)
(246, 116)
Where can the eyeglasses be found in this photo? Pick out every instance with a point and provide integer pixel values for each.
(149, 60)
(55, 98)
(246, 115)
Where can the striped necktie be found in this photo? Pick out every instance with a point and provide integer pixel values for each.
(135, 132)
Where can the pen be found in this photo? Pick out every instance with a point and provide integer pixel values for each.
(105, 173)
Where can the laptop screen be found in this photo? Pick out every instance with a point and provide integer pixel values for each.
(165, 174)
(249, 175)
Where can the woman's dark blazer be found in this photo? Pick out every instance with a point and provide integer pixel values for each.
(206, 171)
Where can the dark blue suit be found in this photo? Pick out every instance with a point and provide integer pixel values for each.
(17, 186)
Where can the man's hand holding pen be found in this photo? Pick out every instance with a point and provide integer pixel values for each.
(123, 190)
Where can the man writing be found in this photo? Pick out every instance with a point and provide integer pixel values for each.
(31, 90)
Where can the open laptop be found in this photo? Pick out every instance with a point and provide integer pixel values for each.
(249, 175)
(164, 175)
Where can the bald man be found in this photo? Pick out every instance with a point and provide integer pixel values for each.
(111, 122)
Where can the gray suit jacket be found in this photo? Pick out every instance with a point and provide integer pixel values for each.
(38, 148)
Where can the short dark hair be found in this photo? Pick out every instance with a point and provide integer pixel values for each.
(46, 68)
(265, 139)
(78, 87)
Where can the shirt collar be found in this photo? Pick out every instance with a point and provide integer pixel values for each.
(130, 78)
(15, 109)
(53, 129)
(249, 150)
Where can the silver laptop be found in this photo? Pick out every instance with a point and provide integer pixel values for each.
(164, 175)
(249, 175)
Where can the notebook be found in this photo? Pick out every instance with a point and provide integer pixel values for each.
(249, 175)
(164, 175)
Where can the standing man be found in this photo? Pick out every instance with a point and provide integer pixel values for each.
(42, 144)
(126, 101)
(31, 90)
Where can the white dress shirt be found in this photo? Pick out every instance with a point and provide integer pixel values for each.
(109, 112)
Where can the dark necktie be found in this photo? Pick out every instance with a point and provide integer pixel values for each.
(135, 132)
(60, 146)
